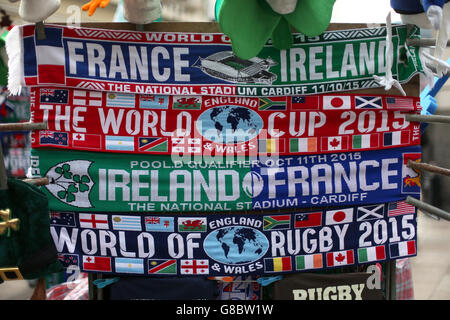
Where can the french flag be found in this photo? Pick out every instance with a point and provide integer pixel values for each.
(50, 57)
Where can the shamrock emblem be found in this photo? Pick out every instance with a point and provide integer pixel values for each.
(79, 184)
(64, 171)
(251, 23)
(70, 182)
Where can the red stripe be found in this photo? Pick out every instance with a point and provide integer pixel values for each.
(350, 259)
(286, 263)
(411, 245)
(374, 138)
(31, 81)
(51, 74)
(281, 218)
(161, 266)
(330, 259)
(404, 136)
(380, 252)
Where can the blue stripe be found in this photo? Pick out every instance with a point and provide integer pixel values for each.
(53, 38)
(119, 138)
(29, 59)
(387, 139)
(394, 250)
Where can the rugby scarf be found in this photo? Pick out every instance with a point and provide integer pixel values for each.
(235, 244)
(204, 63)
(207, 125)
(91, 181)
(313, 286)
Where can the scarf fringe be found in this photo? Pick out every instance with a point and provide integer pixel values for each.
(388, 81)
(14, 50)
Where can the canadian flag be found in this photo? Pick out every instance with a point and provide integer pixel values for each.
(334, 143)
(340, 258)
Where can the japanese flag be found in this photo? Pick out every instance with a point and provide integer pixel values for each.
(337, 102)
(339, 216)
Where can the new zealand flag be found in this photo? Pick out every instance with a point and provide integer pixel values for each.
(53, 138)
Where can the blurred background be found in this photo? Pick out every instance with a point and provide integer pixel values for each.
(431, 268)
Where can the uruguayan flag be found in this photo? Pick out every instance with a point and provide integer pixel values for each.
(132, 223)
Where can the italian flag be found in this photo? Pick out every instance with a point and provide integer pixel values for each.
(365, 141)
(371, 254)
(310, 261)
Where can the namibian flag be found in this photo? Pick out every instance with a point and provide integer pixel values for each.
(277, 222)
(277, 264)
(162, 266)
(153, 144)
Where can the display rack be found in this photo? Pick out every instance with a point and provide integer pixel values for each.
(412, 88)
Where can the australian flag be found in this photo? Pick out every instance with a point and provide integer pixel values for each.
(53, 138)
(60, 96)
(65, 219)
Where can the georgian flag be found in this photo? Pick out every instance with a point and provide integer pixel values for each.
(50, 57)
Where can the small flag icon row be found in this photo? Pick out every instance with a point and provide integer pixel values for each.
(129, 222)
(345, 143)
(146, 266)
(351, 102)
(271, 265)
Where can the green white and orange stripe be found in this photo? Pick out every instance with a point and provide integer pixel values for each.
(310, 261)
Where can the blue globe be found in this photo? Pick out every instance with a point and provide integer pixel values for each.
(236, 245)
(229, 124)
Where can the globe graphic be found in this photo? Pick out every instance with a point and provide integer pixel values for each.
(236, 245)
(229, 124)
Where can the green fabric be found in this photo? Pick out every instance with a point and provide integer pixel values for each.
(250, 23)
(311, 17)
(30, 205)
(3, 64)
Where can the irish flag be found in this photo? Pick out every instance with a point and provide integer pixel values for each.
(297, 145)
(310, 261)
(371, 254)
